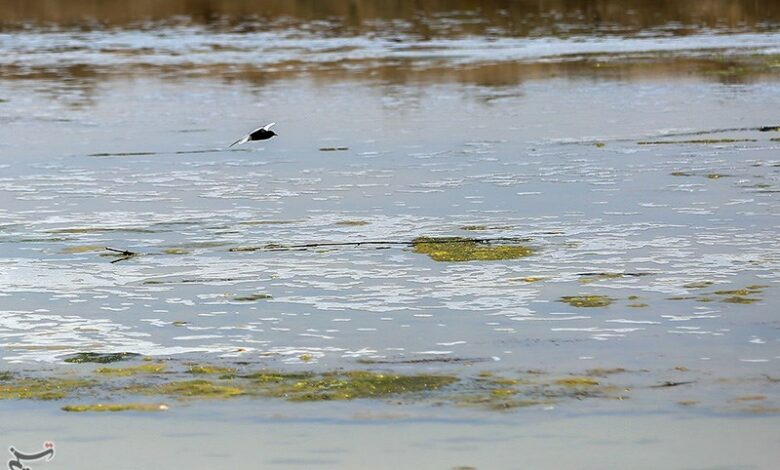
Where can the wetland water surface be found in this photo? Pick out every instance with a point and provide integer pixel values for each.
(479, 231)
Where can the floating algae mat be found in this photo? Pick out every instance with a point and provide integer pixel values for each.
(587, 300)
(114, 407)
(189, 389)
(130, 371)
(467, 249)
(352, 385)
(27, 388)
(101, 358)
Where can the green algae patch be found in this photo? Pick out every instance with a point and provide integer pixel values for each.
(737, 292)
(41, 388)
(353, 385)
(176, 251)
(457, 249)
(716, 176)
(252, 297)
(577, 382)
(586, 301)
(474, 228)
(601, 277)
(264, 377)
(204, 369)
(698, 285)
(741, 296)
(201, 389)
(352, 223)
(100, 358)
(143, 369)
(500, 401)
(72, 250)
(738, 299)
(115, 407)
(680, 173)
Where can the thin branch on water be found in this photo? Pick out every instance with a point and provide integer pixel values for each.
(306, 246)
(123, 254)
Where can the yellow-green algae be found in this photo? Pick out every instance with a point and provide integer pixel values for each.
(176, 251)
(205, 369)
(740, 296)
(466, 249)
(40, 388)
(352, 385)
(83, 249)
(114, 407)
(738, 299)
(586, 300)
(600, 277)
(189, 389)
(577, 382)
(133, 370)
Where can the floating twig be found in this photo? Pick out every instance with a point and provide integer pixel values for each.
(672, 384)
(306, 246)
(123, 254)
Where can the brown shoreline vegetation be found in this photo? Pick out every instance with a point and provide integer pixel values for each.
(517, 18)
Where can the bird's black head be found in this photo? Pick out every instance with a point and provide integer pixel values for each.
(273, 133)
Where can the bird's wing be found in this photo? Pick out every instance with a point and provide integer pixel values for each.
(240, 141)
(268, 126)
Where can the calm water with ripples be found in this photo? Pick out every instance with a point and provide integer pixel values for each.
(633, 148)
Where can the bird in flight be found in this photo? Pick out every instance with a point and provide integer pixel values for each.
(261, 133)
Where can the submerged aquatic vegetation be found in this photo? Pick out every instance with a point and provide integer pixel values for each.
(467, 249)
(188, 389)
(40, 388)
(176, 251)
(586, 300)
(738, 299)
(101, 358)
(352, 223)
(698, 284)
(351, 385)
(251, 297)
(740, 296)
(71, 250)
(577, 382)
(114, 407)
(204, 369)
(134, 370)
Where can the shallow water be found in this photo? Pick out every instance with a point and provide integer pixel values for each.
(629, 158)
